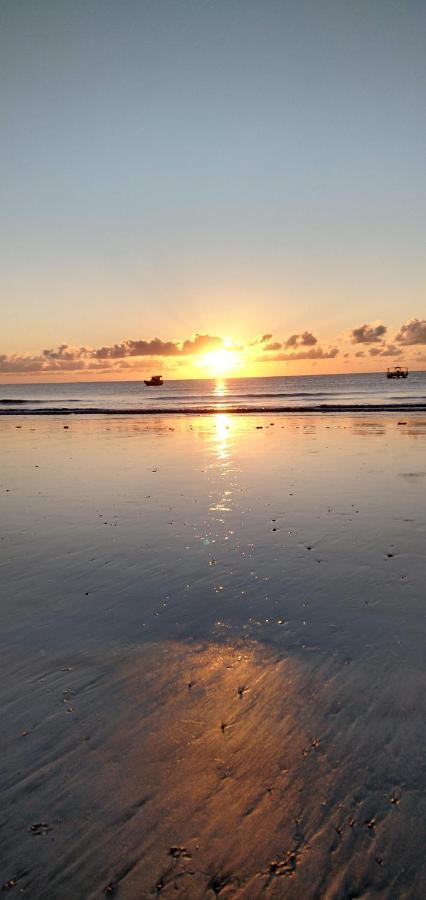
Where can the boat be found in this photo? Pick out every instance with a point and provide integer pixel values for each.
(154, 381)
(397, 372)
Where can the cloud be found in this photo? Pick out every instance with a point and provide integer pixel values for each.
(34, 365)
(201, 343)
(148, 363)
(306, 339)
(275, 345)
(389, 350)
(314, 353)
(368, 334)
(359, 353)
(65, 352)
(20, 364)
(155, 347)
(413, 332)
(70, 359)
(260, 340)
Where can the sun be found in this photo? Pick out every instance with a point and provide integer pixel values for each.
(220, 362)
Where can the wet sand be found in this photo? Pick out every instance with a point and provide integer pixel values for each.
(213, 657)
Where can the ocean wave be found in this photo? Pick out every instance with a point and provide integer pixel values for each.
(19, 401)
(13, 401)
(212, 399)
(215, 410)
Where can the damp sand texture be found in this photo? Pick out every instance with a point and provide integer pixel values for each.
(212, 657)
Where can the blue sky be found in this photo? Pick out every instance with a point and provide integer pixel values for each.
(211, 166)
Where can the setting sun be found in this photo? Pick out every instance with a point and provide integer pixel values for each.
(220, 362)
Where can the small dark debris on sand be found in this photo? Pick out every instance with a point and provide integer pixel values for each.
(285, 866)
(40, 828)
(218, 882)
(7, 885)
(224, 726)
(179, 853)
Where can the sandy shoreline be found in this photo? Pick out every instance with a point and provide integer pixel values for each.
(212, 657)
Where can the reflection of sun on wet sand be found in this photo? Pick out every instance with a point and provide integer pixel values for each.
(221, 768)
(212, 684)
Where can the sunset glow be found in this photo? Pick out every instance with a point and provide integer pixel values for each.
(281, 235)
(220, 362)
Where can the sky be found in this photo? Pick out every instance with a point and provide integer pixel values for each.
(189, 172)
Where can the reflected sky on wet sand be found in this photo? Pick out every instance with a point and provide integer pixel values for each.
(223, 617)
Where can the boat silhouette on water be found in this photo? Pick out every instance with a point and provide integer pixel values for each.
(154, 381)
(397, 372)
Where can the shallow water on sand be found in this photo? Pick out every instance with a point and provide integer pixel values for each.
(212, 656)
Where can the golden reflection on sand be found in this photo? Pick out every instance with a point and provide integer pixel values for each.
(222, 489)
(253, 785)
(191, 778)
(214, 768)
(222, 425)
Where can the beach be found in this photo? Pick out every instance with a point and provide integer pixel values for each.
(212, 655)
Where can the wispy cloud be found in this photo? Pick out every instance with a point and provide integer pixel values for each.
(296, 355)
(274, 345)
(389, 350)
(16, 364)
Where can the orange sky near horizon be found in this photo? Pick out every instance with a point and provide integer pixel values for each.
(369, 347)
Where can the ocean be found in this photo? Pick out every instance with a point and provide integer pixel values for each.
(318, 393)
